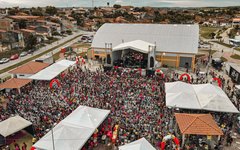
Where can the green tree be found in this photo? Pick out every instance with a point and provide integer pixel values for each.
(212, 35)
(51, 10)
(219, 37)
(117, 6)
(13, 11)
(22, 24)
(31, 42)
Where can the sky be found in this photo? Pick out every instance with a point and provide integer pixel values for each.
(139, 3)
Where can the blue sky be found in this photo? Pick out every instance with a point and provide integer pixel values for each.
(155, 3)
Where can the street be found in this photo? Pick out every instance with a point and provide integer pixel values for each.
(43, 49)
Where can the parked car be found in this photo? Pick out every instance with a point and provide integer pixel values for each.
(217, 63)
(23, 54)
(4, 60)
(30, 51)
(1, 61)
(15, 56)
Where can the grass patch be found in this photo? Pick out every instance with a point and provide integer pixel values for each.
(224, 44)
(235, 56)
(207, 51)
(205, 32)
(34, 57)
(238, 49)
(223, 59)
(56, 56)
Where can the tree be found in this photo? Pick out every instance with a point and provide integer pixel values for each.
(117, 6)
(212, 35)
(31, 42)
(13, 11)
(219, 37)
(69, 32)
(51, 10)
(22, 24)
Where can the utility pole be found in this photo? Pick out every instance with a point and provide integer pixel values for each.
(53, 139)
(209, 58)
(92, 3)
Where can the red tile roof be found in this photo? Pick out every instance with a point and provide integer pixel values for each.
(236, 19)
(24, 17)
(14, 83)
(29, 68)
(28, 30)
(3, 31)
(197, 124)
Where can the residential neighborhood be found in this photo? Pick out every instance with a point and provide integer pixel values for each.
(119, 75)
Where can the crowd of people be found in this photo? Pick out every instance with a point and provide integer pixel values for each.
(137, 104)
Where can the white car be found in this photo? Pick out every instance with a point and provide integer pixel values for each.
(4, 60)
(23, 54)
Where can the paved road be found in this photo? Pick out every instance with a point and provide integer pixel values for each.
(225, 35)
(43, 49)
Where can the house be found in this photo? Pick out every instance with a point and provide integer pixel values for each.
(3, 48)
(40, 23)
(29, 21)
(44, 30)
(6, 24)
(137, 15)
(121, 19)
(55, 27)
(2, 34)
(28, 69)
(235, 21)
(12, 39)
(27, 33)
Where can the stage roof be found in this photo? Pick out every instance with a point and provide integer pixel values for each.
(74, 131)
(168, 37)
(200, 96)
(13, 125)
(14, 83)
(197, 124)
(52, 71)
(137, 45)
(141, 144)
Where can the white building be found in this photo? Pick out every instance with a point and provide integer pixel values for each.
(176, 45)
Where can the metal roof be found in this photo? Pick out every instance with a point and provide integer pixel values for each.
(168, 37)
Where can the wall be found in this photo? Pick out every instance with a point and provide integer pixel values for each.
(23, 76)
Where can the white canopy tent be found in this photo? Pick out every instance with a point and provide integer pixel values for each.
(141, 144)
(237, 86)
(52, 71)
(13, 125)
(202, 96)
(74, 131)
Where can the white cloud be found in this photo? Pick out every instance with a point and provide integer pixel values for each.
(118, 1)
(155, 3)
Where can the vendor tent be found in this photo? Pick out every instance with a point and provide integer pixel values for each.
(197, 124)
(13, 125)
(202, 96)
(52, 71)
(141, 144)
(14, 83)
(74, 131)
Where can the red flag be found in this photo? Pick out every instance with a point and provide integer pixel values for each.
(33, 148)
